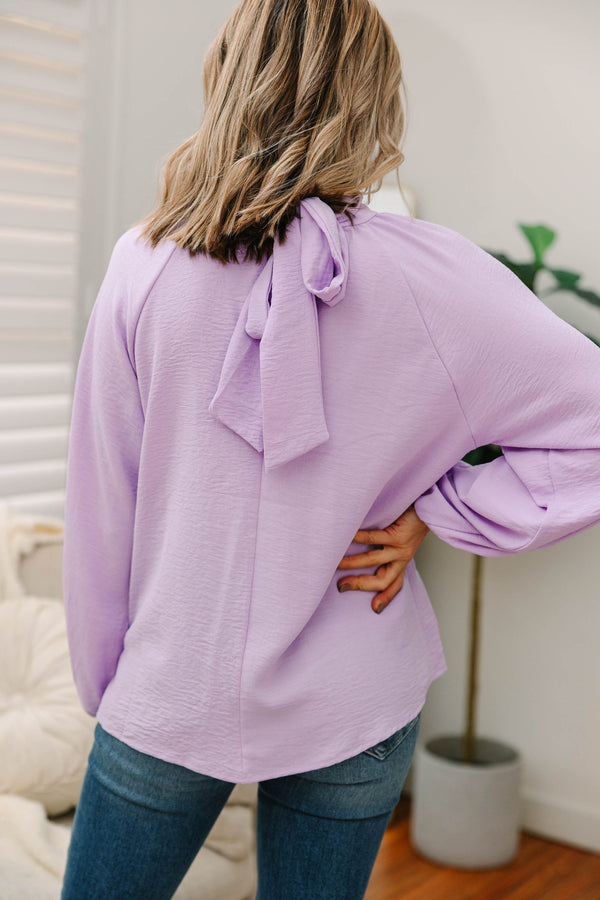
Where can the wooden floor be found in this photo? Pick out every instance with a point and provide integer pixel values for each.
(542, 870)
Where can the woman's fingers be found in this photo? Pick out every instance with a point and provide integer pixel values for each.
(394, 548)
(373, 536)
(385, 597)
(369, 558)
(382, 579)
(387, 581)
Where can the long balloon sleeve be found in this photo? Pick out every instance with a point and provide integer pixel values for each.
(104, 448)
(525, 380)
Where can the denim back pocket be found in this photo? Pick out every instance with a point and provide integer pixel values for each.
(383, 749)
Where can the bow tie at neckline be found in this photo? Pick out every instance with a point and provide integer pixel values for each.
(270, 390)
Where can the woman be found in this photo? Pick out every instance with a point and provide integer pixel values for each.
(271, 373)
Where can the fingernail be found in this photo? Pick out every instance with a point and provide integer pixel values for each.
(344, 587)
(379, 607)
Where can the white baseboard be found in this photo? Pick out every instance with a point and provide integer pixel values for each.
(557, 821)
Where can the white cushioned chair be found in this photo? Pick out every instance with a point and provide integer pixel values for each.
(45, 736)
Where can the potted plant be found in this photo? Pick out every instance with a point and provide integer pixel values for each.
(465, 807)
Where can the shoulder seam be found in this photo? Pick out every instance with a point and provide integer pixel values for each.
(434, 345)
(145, 298)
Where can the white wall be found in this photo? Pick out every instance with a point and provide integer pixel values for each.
(501, 129)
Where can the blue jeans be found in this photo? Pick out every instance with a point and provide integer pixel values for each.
(140, 821)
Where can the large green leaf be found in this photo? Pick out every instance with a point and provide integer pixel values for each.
(540, 237)
(565, 278)
(585, 294)
(591, 296)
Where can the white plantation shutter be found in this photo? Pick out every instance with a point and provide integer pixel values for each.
(43, 50)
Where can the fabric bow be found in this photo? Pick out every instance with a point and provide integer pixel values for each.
(270, 390)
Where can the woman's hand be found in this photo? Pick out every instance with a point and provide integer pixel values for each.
(398, 543)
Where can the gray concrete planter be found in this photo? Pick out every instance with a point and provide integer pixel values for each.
(466, 814)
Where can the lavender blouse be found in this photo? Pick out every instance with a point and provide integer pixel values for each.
(234, 425)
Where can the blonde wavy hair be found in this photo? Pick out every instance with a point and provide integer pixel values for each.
(301, 99)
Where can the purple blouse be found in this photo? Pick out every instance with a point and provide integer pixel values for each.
(234, 425)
